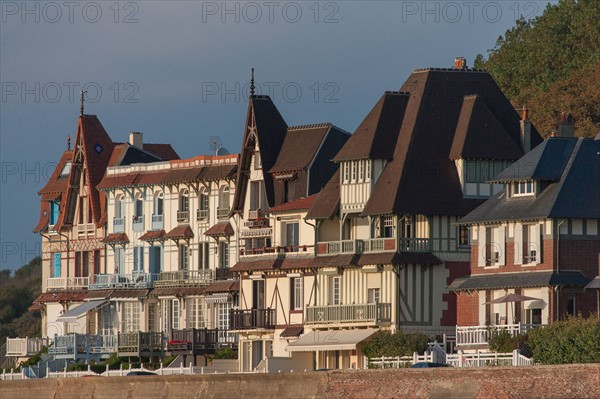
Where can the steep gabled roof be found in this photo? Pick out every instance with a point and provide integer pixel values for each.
(479, 135)
(301, 204)
(327, 202)
(576, 194)
(300, 147)
(264, 126)
(421, 177)
(376, 136)
(163, 151)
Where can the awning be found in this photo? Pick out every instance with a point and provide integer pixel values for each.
(72, 315)
(595, 283)
(218, 298)
(330, 340)
(571, 278)
(221, 229)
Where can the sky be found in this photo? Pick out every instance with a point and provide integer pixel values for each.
(179, 71)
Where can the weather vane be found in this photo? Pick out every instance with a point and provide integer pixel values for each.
(81, 102)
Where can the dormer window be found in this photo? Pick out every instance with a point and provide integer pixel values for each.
(66, 169)
(523, 188)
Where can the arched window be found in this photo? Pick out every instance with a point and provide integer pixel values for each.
(119, 206)
(203, 204)
(223, 211)
(183, 215)
(158, 203)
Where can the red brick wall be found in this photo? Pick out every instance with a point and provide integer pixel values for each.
(580, 255)
(455, 270)
(468, 309)
(510, 267)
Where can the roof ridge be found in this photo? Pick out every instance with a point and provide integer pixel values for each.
(310, 126)
(397, 92)
(477, 70)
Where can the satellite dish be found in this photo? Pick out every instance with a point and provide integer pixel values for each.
(222, 151)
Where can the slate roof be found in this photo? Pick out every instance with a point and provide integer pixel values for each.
(300, 147)
(576, 193)
(327, 202)
(163, 151)
(301, 204)
(519, 280)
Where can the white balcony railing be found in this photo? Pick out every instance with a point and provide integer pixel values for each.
(202, 215)
(138, 223)
(369, 313)
(357, 246)
(85, 229)
(222, 212)
(118, 225)
(25, 346)
(157, 222)
(135, 280)
(64, 283)
(185, 278)
(183, 216)
(79, 345)
(480, 335)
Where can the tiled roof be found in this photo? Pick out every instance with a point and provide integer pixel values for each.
(519, 280)
(223, 286)
(479, 135)
(163, 151)
(375, 137)
(57, 183)
(297, 205)
(74, 296)
(327, 202)
(181, 231)
(110, 294)
(220, 229)
(154, 235)
(300, 147)
(287, 263)
(292, 331)
(115, 238)
(179, 292)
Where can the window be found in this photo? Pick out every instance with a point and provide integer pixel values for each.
(85, 263)
(183, 257)
(97, 261)
(54, 210)
(258, 294)
(175, 304)
(297, 293)
(184, 200)
(152, 317)
(373, 295)
(138, 259)
(119, 260)
(387, 226)
(523, 188)
(158, 203)
(335, 290)
(120, 206)
(292, 231)
(572, 305)
(527, 244)
(78, 264)
(361, 171)
(223, 254)
(56, 265)
(204, 196)
(353, 172)
(368, 170)
(224, 197)
(203, 256)
(223, 317)
(481, 171)
(131, 316)
(533, 316)
(138, 207)
(257, 161)
(195, 313)
(66, 169)
(83, 210)
(464, 236)
(346, 169)
(155, 256)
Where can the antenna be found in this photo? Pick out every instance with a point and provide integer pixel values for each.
(214, 143)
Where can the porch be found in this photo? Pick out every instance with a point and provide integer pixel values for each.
(83, 347)
(24, 347)
(140, 344)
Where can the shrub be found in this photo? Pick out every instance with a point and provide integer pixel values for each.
(225, 353)
(383, 343)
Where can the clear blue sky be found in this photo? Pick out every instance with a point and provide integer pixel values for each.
(178, 72)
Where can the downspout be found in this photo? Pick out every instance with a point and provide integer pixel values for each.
(557, 289)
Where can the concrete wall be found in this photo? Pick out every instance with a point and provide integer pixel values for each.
(568, 381)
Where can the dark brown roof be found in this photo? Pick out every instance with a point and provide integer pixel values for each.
(375, 137)
(337, 260)
(220, 229)
(223, 286)
(327, 202)
(421, 177)
(270, 134)
(98, 294)
(181, 231)
(57, 183)
(163, 151)
(116, 238)
(44, 217)
(288, 263)
(292, 331)
(109, 294)
(177, 291)
(299, 204)
(479, 135)
(300, 147)
(154, 235)
(74, 296)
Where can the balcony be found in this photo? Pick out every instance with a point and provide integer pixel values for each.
(138, 344)
(223, 273)
(86, 229)
(415, 245)
(109, 281)
(223, 212)
(138, 223)
(118, 225)
(193, 341)
(202, 215)
(276, 250)
(480, 335)
(23, 347)
(356, 246)
(252, 319)
(183, 216)
(157, 222)
(368, 314)
(185, 278)
(67, 283)
(256, 214)
(83, 347)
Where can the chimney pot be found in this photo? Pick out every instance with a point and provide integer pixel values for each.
(136, 139)
(566, 125)
(460, 63)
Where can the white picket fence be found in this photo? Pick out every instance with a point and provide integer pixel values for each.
(486, 359)
(182, 370)
(401, 361)
(13, 376)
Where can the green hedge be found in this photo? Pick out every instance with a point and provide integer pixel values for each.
(384, 343)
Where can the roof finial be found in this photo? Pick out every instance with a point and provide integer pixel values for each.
(69, 142)
(525, 113)
(252, 83)
(81, 102)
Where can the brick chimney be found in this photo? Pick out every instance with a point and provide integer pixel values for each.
(136, 139)
(460, 63)
(566, 125)
(525, 130)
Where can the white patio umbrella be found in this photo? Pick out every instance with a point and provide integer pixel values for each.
(512, 298)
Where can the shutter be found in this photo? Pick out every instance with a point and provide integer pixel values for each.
(535, 243)
(135, 258)
(501, 245)
(57, 265)
(481, 245)
(518, 243)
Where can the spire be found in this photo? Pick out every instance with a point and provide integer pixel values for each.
(252, 83)
(69, 142)
(81, 102)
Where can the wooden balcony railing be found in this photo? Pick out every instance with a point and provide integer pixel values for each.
(66, 283)
(80, 346)
(223, 212)
(185, 278)
(193, 341)
(140, 344)
(415, 245)
(138, 223)
(202, 215)
(183, 216)
(118, 225)
(480, 335)
(368, 313)
(251, 319)
(356, 246)
(135, 280)
(21, 347)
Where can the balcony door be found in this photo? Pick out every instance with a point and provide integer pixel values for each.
(257, 353)
(258, 294)
(155, 259)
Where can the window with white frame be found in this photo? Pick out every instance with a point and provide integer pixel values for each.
(66, 169)
(184, 200)
(335, 290)
(373, 295)
(54, 211)
(223, 316)
(297, 293)
(367, 170)
(223, 254)
(292, 232)
(491, 245)
(353, 171)
(119, 206)
(131, 316)
(224, 197)
(361, 171)
(203, 206)
(387, 226)
(175, 304)
(527, 244)
(138, 258)
(257, 161)
(195, 313)
(464, 236)
(346, 170)
(203, 255)
(184, 258)
(119, 260)
(152, 317)
(158, 203)
(138, 209)
(523, 188)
